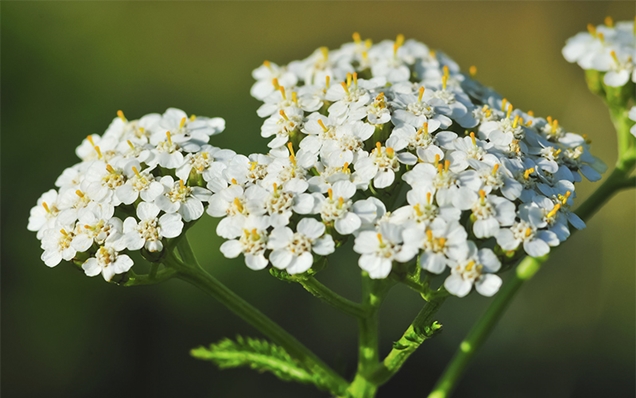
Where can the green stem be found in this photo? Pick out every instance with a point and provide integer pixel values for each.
(422, 328)
(475, 338)
(195, 275)
(373, 293)
(321, 291)
(617, 180)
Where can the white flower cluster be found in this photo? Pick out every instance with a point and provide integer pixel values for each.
(389, 143)
(154, 168)
(609, 48)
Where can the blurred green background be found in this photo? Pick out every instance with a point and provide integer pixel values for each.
(67, 67)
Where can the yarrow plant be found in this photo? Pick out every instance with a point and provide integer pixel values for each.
(389, 146)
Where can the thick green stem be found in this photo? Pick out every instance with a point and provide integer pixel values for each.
(373, 293)
(617, 180)
(477, 335)
(330, 297)
(422, 328)
(195, 275)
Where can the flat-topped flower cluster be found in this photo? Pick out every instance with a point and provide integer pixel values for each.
(609, 48)
(387, 144)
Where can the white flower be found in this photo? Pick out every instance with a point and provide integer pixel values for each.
(252, 242)
(57, 245)
(150, 230)
(336, 208)
(489, 213)
(139, 183)
(380, 248)
(181, 198)
(108, 262)
(291, 251)
(440, 242)
(476, 268)
(44, 215)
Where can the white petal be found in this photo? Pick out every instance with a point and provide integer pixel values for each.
(231, 248)
(300, 264)
(457, 285)
(281, 258)
(536, 247)
(488, 284)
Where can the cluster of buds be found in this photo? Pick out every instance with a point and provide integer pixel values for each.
(387, 144)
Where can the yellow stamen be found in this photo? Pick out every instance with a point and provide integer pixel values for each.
(554, 210)
(110, 169)
(292, 155)
(275, 186)
(509, 110)
(330, 193)
(168, 138)
(528, 232)
(327, 81)
(267, 64)
(181, 185)
(130, 144)
(345, 167)
(283, 114)
(356, 37)
(482, 195)
(344, 85)
(432, 53)
(419, 97)
(614, 56)
(556, 153)
(79, 193)
(592, 29)
(417, 209)
(46, 207)
(587, 140)
(390, 152)
(472, 70)
(253, 165)
(183, 122)
(429, 235)
(444, 82)
(529, 123)
(423, 129)
(429, 196)
(294, 97)
(378, 147)
(192, 118)
(437, 158)
(470, 265)
(134, 169)
(565, 197)
(609, 21)
(63, 232)
(120, 115)
(255, 235)
(340, 202)
(325, 52)
(233, 181)
(99, 152)
(348, 79)
(399, 40)
(601, 37)
(446, 165)
(472, 138)
(495, 168)
(515, 122)
(275, 83)
(368, 43)
(379, 235)
(441, 241)
(238, 204)
(355, 79)
(526, 174)
(322, 125)
(282, 92)
(440, 168)
(503, 104)
(530, 113)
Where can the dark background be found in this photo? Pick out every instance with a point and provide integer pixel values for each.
(67, 67)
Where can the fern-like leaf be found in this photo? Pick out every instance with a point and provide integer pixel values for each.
(260, 355)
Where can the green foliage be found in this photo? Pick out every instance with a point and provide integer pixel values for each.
(260, 355)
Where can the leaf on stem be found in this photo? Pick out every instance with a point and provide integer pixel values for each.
(260, 355)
